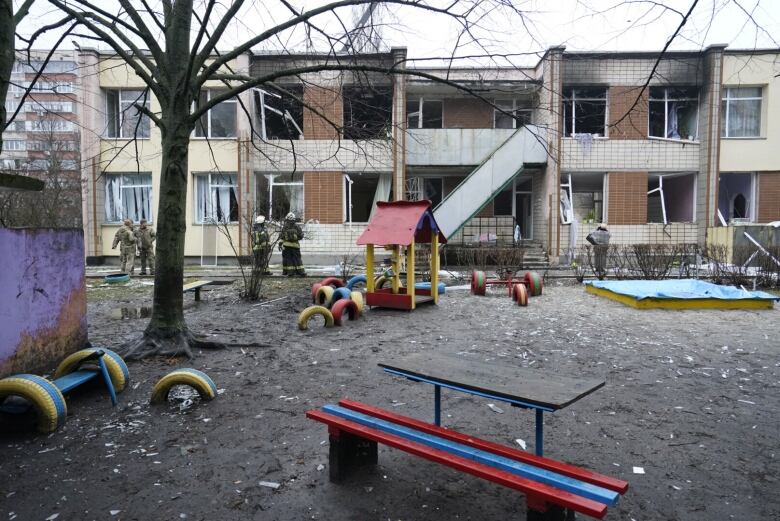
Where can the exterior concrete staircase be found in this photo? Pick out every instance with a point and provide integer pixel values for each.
(535, 258)
(526, 147)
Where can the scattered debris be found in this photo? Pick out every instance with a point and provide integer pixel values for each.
(521, 442)
(269, 484)
(639, 470)
(495, 408)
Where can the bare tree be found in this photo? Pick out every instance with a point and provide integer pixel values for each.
(8, 22)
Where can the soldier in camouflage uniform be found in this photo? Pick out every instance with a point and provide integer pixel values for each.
(125, 237)
(146, 236)
(261, 245)
(292, 264)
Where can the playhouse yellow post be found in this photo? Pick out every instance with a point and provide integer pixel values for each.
(435, 268)
(410, 272)
(369, 268)
(396, 268)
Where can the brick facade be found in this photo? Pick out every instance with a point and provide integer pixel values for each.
(327, 115)
(466, 113)
(622, 123)
(323, 194)
(768, 197)
(627, 198)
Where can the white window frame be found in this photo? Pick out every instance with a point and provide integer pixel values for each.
(419, 112)
(233, 101)
(271, 184)
(121, 177)
(660, 190)
(666, 101)
(574, 99)
(54, 125)
(211, 185)
(48, 106)
(261, 94)
(514, 111)
(728, 99)
(14, 145)
(120, 115)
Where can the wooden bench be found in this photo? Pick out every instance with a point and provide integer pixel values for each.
(554, 490)
(196, 286)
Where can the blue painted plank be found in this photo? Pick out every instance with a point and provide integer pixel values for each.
(517, 403)
(547, 477)
(72, 380)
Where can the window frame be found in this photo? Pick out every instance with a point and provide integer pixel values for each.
(666, 101)
(211, 186)
(233, 101)
(419, 113)
(573, 99)
(514, 112)
(122, 186)
(119, 115)
(271, 177)
(725, 98)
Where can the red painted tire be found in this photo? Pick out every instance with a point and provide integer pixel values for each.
(521, 295)
(342, 305)
(534, 283)
(332, 281)
(314, 289)
(478, 283)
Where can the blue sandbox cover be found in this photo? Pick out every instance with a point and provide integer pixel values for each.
(678, 289)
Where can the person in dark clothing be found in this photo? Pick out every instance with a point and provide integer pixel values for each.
(291, 234)
(261, 246)
(600, 241)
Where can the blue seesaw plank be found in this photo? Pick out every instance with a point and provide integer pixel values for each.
(72, 380)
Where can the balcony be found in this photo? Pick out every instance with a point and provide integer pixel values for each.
(452, 146)
(656, 155)
(324, 155)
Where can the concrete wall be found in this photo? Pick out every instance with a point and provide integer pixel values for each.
(43, 300)
(450, 147)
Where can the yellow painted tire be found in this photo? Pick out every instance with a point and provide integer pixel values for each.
(357, 298)
(314, 289)
(117, 369)
(306, 314)
(44, 396)
(198, 380)
(380, 281)
(324, 296)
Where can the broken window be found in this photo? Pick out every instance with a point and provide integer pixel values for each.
(128, 196)
(510, 114)
(502, 203)
(671, 198)
(741, 112)
(368, 112)
(424, 113)
(674, 112)
(582, 198)
(220, 120)
(362, 193)
(736, 196)
(584, 110)
(123, 118)
(278, 194)
(216, 198)
(433, 190)
(279, 111)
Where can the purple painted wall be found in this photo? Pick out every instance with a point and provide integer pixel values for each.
(43, 298)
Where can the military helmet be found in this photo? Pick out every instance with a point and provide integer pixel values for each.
(260, 219)
(290, 217)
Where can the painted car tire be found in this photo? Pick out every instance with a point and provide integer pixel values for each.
(117, 369)
(478, 283)
(314, 288)
(45, 397)
(198, 380)
(332, 281)
(521, 295)
(339, 294)
(355, 280)
(427, 285)
(344, 305)
(117, 278)
(380, 281)
(306, 314)
(357, 298)
(324, 296)
(534, 283)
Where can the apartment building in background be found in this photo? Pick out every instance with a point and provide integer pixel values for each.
(664, 149)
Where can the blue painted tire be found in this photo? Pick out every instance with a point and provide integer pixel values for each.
(42, 394)
(427, 285)
(354, 280)
(116, 278)
(117, 369)
(198, 380)
(339, 294)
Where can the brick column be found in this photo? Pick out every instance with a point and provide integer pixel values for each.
(768, 197)
(323, 194)
(627, 198)
(628, 117)
(399, 125)
(709, 137)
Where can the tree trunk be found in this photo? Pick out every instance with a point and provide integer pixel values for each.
(7, 36)
(167, 333)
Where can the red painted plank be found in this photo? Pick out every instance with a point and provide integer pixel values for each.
(507, 479)
(585, 475)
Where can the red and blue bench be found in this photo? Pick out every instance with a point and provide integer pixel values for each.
(554, 490)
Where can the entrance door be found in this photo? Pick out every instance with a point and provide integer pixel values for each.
(524, 208)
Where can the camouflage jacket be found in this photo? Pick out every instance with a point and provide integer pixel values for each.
(146, 237)
(125, 236)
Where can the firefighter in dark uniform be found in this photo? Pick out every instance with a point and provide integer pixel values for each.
(261, 245)
(292, 264)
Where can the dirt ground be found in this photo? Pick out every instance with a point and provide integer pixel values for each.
(692, 397)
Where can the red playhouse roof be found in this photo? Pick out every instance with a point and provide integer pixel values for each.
(401, 222)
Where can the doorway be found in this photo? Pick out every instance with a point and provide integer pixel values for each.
(524, 207)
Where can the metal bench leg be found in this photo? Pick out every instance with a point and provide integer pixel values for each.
(348, 451)
(197, 293)
(107, 380)
(539, 445)
(437, 405)
(550, 513)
